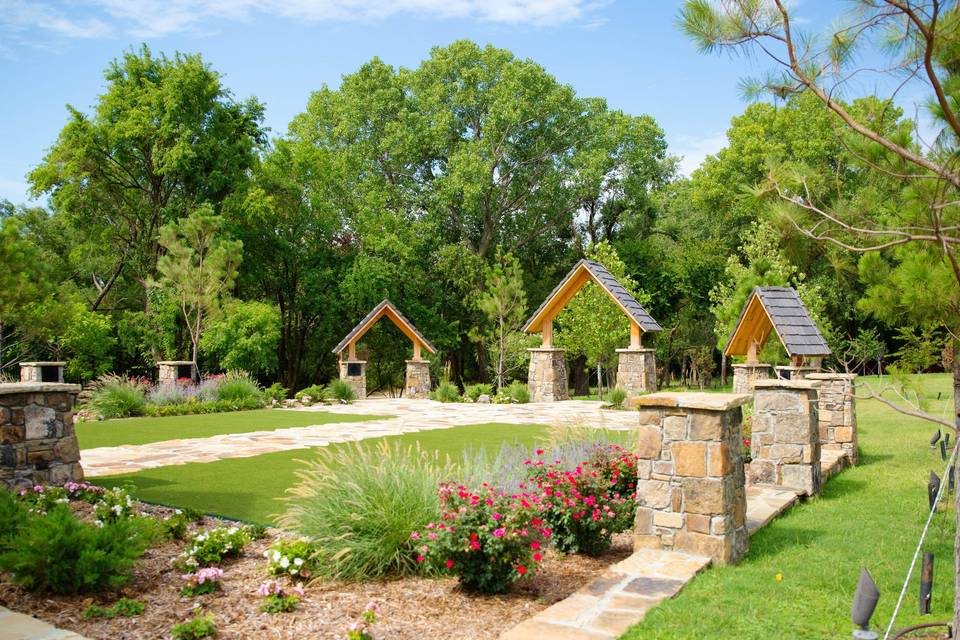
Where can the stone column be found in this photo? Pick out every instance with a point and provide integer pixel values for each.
(837, 412)
(690, 487)
(785, 443)
(169, 371)
(37, 440)
(547, 380)
(41, 371)
(417, 385)
(637, 371)
(354, 373)
(745, 375)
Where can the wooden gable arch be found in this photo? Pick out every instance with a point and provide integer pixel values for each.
(384, 309)
(779, 311)
(585, 271)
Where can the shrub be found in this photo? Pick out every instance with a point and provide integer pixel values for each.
(57, 553)
(203, 581)
(340, 390)
(358, 504)
(174, 526)
(295, 557)
(211, 547)
(275, 600)
(170, 393)
(125, 607)
(315, 392)
(196, 628)
(12, 518)
(212, 406)
(41, 498)
(446, 391)
(488, 539)
(276, 391)
(238, 386)
(516, 392)
(118, 397)
(474, 391)
(115, 504)
(617, 396)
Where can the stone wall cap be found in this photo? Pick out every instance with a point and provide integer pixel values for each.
(174, 361)
(49, 363)
(752, 365)
(693, 400)
(640, 350)
(547, 349)
(38, 387)
(776, 383)
(421, 361)
(831, 376)
(355, 361)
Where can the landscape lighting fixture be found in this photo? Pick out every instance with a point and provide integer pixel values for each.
(864, 602)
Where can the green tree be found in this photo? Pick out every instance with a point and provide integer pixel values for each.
(86, 342)
(197, 271)
(592, 325)
(504, 302)
(244, 337)
(164, 138)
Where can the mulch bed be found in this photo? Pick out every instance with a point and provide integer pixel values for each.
(411, 608)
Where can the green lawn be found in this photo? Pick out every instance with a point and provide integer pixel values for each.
(871, 516)
(112, 433)
(247, 488)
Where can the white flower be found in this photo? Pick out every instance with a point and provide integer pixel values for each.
(99, 523)
(298, 561)
(266, 554)
(276, 556)
(284, 562)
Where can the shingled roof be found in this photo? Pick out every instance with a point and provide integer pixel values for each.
(785, 314)
(385, 308)
(608, 282)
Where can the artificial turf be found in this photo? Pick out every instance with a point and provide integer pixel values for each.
(248, 488)
(113, 433)
(868, 516)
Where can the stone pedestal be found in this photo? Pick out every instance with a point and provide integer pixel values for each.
(837, 412)
(37, 441)
(170, 371)
(785, 443)
(547, 380)
(417, 386)
(690, 478)
(51, 371)
(745, 375)
(637, 371)
(790, 372)
(354, 373)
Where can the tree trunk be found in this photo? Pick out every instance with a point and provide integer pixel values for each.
(581, 379)
(956, 543)
(723, 370)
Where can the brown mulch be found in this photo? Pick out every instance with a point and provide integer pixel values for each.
(411, 608)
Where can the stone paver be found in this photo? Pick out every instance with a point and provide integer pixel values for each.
(18, 626)
(406, 416)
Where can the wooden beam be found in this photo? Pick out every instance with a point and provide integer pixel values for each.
(546, 332)
(352, 350)
(416, 350)
(634, 334)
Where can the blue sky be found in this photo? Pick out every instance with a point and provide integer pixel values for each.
(627, 51)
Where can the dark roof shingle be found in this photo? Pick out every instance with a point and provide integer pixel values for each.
(791, 321)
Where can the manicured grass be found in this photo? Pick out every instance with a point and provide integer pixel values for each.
(248, 488)
(869, 516)
(113, 433)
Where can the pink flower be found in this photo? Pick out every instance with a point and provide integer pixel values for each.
(372, 606)
(415, 535)
(497, 516)
(499, 532)
(269, 588)
(419, 558)
(298, 589)
(449, 564)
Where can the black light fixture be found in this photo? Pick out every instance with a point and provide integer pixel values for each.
(943, 449)
(933, 488)
(864, 602)
(934, 438)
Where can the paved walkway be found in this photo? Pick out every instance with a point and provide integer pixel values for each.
(406, 416)
(19, 626)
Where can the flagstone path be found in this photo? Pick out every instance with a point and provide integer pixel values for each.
(19, 626)
(406, 416)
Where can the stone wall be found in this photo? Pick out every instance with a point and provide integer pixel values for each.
(357, 382)
(34, 371)
(690, 487)
(417, 386)
(547, 379)
(837, 412)
(745, 375)
(785, 443)
(637, 371)
(169, 371)
(37, 440)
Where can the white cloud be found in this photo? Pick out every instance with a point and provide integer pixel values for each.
(147, 18)
(694, 149)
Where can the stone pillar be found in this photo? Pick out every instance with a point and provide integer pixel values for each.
(790, 372)
(41, 371)
(690, 478)
(837, 412)
(637, 371)
(417, 385)
(37, 440)
(785, 443)
(354, 373)
(547, 380)
(745, 375)
(170, 371)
